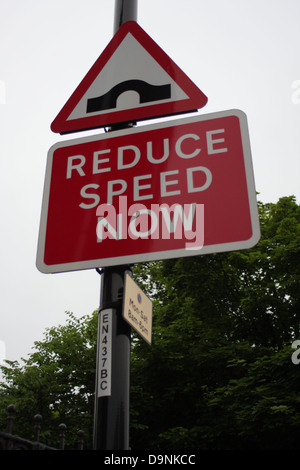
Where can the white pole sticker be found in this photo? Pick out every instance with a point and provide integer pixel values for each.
(105, 353)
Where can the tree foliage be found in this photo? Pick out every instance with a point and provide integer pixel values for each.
(57, 382)
(219, 373)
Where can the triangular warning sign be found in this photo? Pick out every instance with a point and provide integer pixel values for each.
(133, 79)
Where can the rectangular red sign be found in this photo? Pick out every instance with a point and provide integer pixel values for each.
(173, 189)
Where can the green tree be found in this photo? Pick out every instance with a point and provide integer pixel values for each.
(221, 322)
(57, 381)
(260, 408)
(219, 373)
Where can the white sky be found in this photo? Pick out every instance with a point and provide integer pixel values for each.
(241, 53)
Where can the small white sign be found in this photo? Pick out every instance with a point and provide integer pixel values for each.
(137, 309)
(105, 340)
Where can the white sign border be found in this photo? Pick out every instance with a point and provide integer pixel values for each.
(160, 255)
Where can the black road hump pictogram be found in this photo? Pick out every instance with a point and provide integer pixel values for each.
(146, 92)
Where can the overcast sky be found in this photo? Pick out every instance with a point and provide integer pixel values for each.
(242, 54)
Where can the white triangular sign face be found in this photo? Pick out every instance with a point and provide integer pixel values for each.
(133, 79)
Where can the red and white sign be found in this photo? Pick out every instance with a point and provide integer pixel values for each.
(133, 79)
(173, 189)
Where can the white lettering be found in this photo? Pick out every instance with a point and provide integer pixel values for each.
(172, 226)
(77, 167)
(190, 179)
(164, 183)
(178, 146)
(170, 183)
(211, 142)
(137, 188)
(110, 223)
(134, 221)
(97, 161)
(84, 194)
(111, 192)
(115, 225)
(137, 156)
(165, 155)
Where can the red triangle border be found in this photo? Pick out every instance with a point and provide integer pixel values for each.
(196, 99)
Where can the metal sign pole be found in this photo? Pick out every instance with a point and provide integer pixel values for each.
(125, 10)
(111, 430)
(111, 417)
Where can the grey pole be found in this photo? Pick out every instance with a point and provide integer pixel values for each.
(125, 10)
(111, 417)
